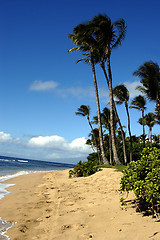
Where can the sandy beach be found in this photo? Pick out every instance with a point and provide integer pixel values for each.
(50, 206)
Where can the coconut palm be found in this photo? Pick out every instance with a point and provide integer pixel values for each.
(149, 73)
(109, 36)
(122, 95)
(122, 133)
(106, 121)
(84, 110)
(105, 118)
(94, 140)
(139, 103)
(150, 122)
(85, 42)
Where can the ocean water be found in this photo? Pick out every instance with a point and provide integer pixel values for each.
(11, 167)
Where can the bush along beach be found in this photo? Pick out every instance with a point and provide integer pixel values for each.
(143, 177)
(85, 169)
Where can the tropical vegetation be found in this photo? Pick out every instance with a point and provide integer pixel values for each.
(144, 179)
(111, 141)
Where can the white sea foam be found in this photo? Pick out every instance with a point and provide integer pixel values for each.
(4, 226)
(5, 160)
(3, 190)
(22, 161)
(6, 177)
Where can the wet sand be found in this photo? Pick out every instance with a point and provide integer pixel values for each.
(50, 206)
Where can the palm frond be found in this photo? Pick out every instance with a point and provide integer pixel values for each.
(75, 49)
(141, 89)
(121, 32)
(134, 107)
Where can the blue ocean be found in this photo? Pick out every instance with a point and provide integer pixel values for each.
(11, 167)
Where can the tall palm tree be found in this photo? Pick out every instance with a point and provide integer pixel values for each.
(105, 118)
(149, 74)
(84, 110)
(150, 122)
(85, 42)
(139, 103)
(107, 123)
(122, 133)
(109, 36)
(122, 94)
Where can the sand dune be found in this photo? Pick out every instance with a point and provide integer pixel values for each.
(50, 206)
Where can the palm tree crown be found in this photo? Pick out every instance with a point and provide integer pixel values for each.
(121, 93)
(149, 73)
(138, 103)
(109, 35)
(150, 122)
(83, 110)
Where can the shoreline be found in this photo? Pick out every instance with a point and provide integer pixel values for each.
(50, 206)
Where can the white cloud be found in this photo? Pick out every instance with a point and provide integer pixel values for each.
(79, 145)
(4, 137)
(43, 86)
(59, 148)
(78, 92)
(131, 86)
(45, 148)
(46, 141)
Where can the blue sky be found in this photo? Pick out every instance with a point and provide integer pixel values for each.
(41, 87)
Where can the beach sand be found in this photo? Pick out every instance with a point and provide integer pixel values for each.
(50, 206)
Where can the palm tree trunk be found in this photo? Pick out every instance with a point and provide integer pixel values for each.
(129, 130)
(110, 147)
(158, 107)
(143, 129)
(99, 158)
(115, 155)
(150, 131)
(105, 160)
(122, 134)
(118, 119)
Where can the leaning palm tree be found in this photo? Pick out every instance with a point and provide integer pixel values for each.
(149, 73)
(85, 42)
(150, 122)
(109, 36)
(139, 103)
(84, 110)
(122, 95)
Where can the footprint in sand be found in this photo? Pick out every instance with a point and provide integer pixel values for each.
(23, 228)
(48, 210)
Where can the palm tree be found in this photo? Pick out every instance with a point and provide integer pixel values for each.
(107, 123)
(94, 141)
(149, 73)
(150, 122)
(121, 132)
(82, 37)
(84, 110)
(109, 36)
(122, 94)
(139, 103)
(105, 118)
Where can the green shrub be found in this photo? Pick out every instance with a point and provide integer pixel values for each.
(143, 177)
(84, 169)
